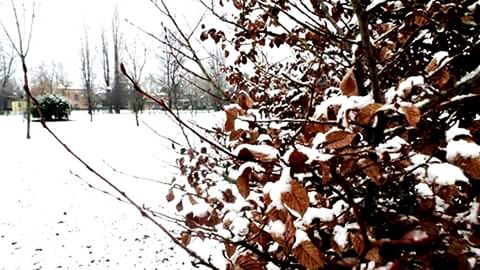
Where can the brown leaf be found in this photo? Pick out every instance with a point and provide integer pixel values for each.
(412, 114)
(244, 100)
(297, 198)
(297, 159)
(232, 113)
(192, 200)
(243, 182)
(263, 154)
(179, 206)
(442, 77)
(204, 36)
(170, 196)
(472, 167)
(371, 169)
(366, 114)
(325, 172)
(259, 236)
(236, 134)
(185, 238)
(339, 139)
(385, 54)
(347, 165)
(311, 129)
(357, 241)
(228, 196)
(348, 262)
(308, 255)
(349, 84)
(374, 255)
(420, 20)
(458, 247)
(248, 262)
(237, 4)
(230, 248)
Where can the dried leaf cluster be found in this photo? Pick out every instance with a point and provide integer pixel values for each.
(326, 174)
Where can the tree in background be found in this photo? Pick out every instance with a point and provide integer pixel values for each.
(7, 88)
(136, 61)
(20, 39)
(171, 67)
(105, 52)
(86, 60)
(120, 88)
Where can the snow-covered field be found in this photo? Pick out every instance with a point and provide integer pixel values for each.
(52, 219)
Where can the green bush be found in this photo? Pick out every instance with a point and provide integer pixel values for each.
(53, 107)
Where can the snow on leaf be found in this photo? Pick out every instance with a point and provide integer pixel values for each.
(374, 4)
(276, 189)
(474, 216)
(321, 214)
(392, 146)
(424, 190)
(456, 131)
(232, 111)
(445, 174)
(436, 61)
(263, 153)
(340, 236)
(405, 87)
(201, 210)
(297, 198)
(462, 149)
(277, 228)
(306, 253)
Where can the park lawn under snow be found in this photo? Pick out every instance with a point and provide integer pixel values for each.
(51, 219)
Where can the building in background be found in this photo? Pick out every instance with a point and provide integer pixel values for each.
(19, 106)
(76, 96)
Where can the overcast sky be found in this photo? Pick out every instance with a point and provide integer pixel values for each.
(59, 25)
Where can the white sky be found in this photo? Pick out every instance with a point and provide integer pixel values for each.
(59, 26)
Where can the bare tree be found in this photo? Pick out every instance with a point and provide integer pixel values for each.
(171, 62)
(6, 73)
(119, 84)
(183, 43)
(137, 58)
(24, 28)
(62, 81)
(106, 68)
(86, 60)
(49, 78)
(44, 79)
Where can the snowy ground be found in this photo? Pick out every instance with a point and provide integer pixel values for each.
(51, 219)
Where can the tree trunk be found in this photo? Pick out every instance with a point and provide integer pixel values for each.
(29, 107)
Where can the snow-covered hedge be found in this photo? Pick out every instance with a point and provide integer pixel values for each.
(53, 107)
